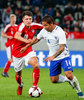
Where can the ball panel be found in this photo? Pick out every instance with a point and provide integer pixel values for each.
(34, 92)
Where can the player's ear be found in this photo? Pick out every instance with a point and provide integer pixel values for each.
(22, 19)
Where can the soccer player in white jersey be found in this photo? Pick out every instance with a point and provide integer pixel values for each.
(58, 54)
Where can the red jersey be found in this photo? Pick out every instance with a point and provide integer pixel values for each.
(10, 31)
(27, 33)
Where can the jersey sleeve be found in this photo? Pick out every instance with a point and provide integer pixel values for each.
(62, 36)
(37, 25)
(40, 35)
(6, 28)
(21, 27)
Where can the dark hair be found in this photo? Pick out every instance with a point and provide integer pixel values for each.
(48, 19)
(28, 13)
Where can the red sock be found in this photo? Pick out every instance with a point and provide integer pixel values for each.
(7, 66)
(36, 74)
(19, 80)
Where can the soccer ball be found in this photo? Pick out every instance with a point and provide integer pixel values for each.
(35, 92)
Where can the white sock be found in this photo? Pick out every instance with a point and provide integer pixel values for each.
(76, 84)
(63, 79)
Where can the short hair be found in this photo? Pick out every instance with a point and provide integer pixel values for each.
(48, 19)
(12, 15)
(28, 13)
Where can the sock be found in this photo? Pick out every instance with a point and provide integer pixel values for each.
(76, 84)
(36, 74)
(7, 66)
(19, 80)
(63, 79)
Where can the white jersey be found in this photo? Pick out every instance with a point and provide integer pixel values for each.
(53, 39)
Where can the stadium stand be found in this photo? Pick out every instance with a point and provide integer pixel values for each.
(69, 15)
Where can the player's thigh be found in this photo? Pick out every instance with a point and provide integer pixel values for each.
(66, 64)
(9, 52)
(19, 64)
(34, 62)
(55, 68)
(28, 58)
(54, 79)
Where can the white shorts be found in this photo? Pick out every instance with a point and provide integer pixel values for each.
(20, 63)
(9, 52)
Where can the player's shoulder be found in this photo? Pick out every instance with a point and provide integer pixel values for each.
(43, 31)
(21, 26)
(7, 26)
(58, 28)
(36, 24)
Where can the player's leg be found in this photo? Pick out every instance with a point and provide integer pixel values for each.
(31, 59)
(66, 64)
(59, 79)
(36, 70)
(10, 60)
(74, 82)
(18, 77)
(55, 71)
(18, 65)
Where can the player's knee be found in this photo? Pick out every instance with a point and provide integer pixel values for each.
(54, 81)
(69, 76)
(18, 76)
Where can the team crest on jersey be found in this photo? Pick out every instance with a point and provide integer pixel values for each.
(33, 30)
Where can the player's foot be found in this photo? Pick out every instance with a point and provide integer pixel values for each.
(71, 84)
(80, 95)
(19, 90)
(4, 74)
(41, 92)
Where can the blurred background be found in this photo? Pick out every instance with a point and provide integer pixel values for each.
(69, 14)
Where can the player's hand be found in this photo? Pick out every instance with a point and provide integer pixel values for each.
(28, 41)
(10, 37)
(23, 49)
(49, 58)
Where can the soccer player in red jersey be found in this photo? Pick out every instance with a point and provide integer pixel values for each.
(8, 33)
(24, 34)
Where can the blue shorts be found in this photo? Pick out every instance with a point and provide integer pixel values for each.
(57, 65)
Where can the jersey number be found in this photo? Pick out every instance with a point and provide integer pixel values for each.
(68, 63)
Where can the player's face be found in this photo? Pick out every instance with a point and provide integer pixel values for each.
(47, 26)
(13, 20)
(27, 20)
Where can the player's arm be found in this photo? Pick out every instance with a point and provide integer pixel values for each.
(20, 38)
(34, 41)
(3, 34)
(58, 52)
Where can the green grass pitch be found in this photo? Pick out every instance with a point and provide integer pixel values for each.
(62, 91)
